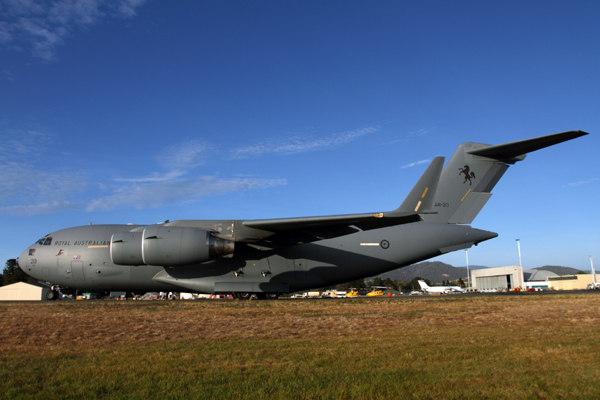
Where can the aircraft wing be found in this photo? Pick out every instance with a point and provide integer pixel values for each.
(309, 229)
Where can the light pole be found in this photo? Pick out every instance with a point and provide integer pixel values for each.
(593, 271)
(521, 265)
(468, 274)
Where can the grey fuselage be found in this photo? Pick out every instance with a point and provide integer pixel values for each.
(80, 258)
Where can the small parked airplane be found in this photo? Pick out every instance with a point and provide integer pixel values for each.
(440, 289)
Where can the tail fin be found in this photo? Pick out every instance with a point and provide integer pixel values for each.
(467, 180)
(423, 285)
(420, 198)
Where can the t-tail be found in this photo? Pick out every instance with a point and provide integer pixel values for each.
(424, 285)
(468, 178)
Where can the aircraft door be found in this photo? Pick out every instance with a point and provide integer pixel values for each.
(77, 270)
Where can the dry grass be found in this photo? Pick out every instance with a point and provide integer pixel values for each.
(467, 347)
(64, 325)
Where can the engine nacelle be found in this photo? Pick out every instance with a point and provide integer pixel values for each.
(126, 248)
(168, 246)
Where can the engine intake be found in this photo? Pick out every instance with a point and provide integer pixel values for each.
(168, 246)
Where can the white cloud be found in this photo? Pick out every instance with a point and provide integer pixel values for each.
(581, 183)
(417, 133)
(17, 143)
(44, 208)
(127, 7)
(43, 25)
(411, 135)
(23, 181)
(299, 144)
(158, 194)
(81, 12)
(31, 188)
(415, 164)
(185, 156)
(154, 177)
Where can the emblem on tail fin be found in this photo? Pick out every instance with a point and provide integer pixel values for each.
(466, 171)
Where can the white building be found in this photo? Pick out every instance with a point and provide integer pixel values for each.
(497, 279)
(507, 278)
(23, 291)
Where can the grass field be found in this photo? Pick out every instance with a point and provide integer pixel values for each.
(427, 347)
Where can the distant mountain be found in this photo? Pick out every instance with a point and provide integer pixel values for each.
(474, 267)
(437, 272)
(560, 270)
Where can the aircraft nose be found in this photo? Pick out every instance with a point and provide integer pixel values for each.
(22, 260)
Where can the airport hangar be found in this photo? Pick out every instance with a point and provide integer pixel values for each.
(507, 278)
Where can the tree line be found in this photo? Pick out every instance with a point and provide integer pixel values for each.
(13, 274)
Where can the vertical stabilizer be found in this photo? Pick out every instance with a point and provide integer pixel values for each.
(420, 199)
(467, 180)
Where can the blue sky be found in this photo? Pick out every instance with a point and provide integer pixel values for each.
(134, 111)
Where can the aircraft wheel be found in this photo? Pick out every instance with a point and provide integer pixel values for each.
(51, 295)
(271, 296)
(244, 295)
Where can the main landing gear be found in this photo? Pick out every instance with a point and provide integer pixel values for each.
(261, 296)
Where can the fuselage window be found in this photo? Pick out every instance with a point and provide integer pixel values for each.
(48, 241)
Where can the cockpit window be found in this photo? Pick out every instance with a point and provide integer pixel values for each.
(45, 241)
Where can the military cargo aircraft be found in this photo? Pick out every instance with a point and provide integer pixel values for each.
(269, 257)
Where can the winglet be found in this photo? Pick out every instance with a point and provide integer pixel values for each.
(420, 198)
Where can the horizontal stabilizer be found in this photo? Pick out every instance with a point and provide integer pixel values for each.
(467, 180)
(512, 150)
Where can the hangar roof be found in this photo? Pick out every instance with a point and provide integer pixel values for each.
(537, 275)
(23, 284)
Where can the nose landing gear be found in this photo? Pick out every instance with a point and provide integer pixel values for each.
(51, 295)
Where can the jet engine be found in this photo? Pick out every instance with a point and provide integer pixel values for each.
(168, 246)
